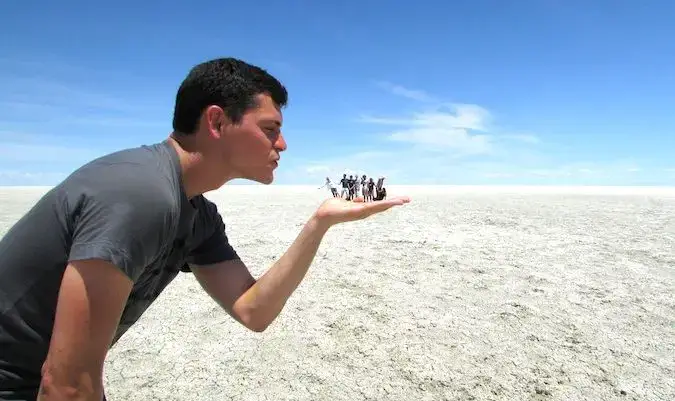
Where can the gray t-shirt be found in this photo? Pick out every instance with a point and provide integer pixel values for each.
(128, 208)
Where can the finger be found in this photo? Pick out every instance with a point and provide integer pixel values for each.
(404, 199)
(397, 200)
(387, 203)
(380, 206)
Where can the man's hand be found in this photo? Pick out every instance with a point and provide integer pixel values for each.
(336, 210)
(91, 300)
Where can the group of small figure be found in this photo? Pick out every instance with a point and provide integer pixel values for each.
(354, 187)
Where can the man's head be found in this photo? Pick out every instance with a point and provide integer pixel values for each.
(230, 111)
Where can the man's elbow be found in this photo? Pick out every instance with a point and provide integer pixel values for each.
(250, 318)
(254, 323)
(257, 328)
(63, 386)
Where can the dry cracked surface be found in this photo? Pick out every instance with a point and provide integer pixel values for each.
(452, 297)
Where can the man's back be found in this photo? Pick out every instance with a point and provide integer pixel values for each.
(127, 208)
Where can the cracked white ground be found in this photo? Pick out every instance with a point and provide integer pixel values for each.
(459, 295)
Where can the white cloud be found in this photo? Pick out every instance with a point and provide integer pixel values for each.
(434, 144)
(399, 90)
(442, 143)
(497, 174)
(555, 172)
(448, 127)
(465, 116)
(527, 138)
(36, 93)
(29, 92)
(417, 166)
(581, 171)
(54, 120)
(444, 139)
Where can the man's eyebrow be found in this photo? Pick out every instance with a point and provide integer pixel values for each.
(272, 121)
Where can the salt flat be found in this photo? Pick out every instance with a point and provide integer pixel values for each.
(467, 293)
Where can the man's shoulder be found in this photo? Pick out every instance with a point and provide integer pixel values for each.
(145, 156)
(141, 176)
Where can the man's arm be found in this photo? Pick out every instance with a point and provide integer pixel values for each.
(119, 228)
(256, 303)
(91, 300)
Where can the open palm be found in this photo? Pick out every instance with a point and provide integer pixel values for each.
(337, 210)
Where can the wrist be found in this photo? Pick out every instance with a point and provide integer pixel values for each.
(319, 223)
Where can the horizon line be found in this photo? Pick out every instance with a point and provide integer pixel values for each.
(668, 186)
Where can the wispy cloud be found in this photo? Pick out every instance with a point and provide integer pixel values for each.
(456, 127)
(399, 90)
(22, 91)
(55, 117)
(432, 142)
(56, 93)
(575, 172)
(526, 138)
(436, 142)
(465, 116)
(67, 114)
(414, 166)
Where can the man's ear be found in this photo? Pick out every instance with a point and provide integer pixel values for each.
(215, 118)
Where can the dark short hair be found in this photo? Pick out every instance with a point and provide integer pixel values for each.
(226, 82)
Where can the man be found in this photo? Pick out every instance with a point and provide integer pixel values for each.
(88, 259)
(371, 187)
(356, 187)
(330, 186)
(345, 186)
(364, 187)
(351, 182)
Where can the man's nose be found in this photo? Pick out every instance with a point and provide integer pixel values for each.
(280, 144)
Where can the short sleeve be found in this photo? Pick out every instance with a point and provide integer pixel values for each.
(125, 223)
(215, 246)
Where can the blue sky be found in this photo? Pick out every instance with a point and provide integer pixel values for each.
(482, 92)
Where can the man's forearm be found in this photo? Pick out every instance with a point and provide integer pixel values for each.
(267, 297)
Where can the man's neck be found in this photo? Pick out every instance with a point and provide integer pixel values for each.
(194, 174)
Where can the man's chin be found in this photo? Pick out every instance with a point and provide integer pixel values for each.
(265, 180)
